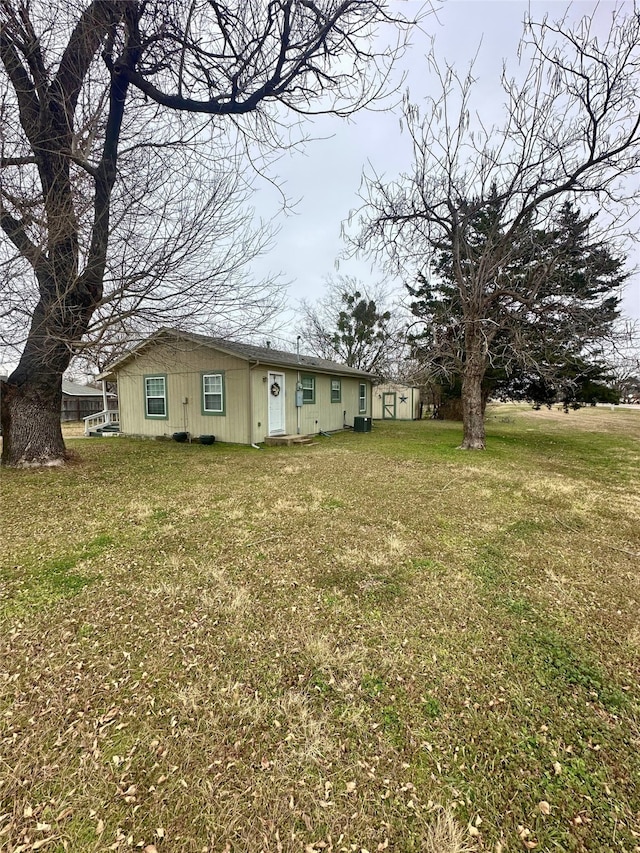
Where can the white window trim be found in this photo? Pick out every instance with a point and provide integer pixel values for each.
(362, 397)
(163, 397)
(312, 378)
(221, 410)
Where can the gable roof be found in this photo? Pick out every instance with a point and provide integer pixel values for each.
(248, 352)
(73, 389)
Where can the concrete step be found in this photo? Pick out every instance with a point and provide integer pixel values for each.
(287, 440)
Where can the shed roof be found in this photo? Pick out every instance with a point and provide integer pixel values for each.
(73, 389)
(249, 352)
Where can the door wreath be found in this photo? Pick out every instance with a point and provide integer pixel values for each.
(275, 389)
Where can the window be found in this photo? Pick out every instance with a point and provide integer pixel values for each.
(308, 389)
(363, 397)
(336, 390)
(155, 396)
(213, 394)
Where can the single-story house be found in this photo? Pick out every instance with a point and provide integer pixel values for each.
(396, 402)
(80, 401)
(178, 381)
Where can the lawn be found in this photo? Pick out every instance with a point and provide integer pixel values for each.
(377, 642)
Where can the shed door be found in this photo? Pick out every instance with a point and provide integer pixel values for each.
(275, 390)
(389, 406)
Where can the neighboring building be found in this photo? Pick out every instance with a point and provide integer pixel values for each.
(80, 401)
(396, 402)
(182, 382)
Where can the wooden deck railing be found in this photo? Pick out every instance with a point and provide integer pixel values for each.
(100, 419)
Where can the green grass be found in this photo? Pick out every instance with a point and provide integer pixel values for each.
(375, 642)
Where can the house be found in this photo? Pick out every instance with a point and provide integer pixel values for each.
(182, 382)
(80, 401)
(396, 402)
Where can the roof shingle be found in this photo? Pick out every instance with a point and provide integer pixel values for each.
(266, 355)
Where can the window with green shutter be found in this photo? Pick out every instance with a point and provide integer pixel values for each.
(213, 393)
(155, 396)
(308, 389)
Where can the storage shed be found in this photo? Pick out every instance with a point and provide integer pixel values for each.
(396, 402)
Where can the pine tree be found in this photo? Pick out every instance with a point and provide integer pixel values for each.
(558, 299)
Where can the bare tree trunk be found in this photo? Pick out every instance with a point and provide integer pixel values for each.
(472, 403)
(32, 395)
(31, 429)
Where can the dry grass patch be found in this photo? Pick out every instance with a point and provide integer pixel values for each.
(375, 643)
(447, 836)
(73, 429)
(605, 419)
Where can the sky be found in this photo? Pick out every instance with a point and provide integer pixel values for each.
(324, 179)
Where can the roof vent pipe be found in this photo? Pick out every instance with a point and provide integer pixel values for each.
(298, 339)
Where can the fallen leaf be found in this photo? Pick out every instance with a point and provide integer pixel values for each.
(544, 807)
(109, 716)
(351, 786)
(100, 827)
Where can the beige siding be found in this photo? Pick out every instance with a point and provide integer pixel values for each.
(320, 415)
(325, 415)
(183, 364)
(408, 410)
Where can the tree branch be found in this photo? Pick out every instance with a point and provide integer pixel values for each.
(28, 102)
(16, 232)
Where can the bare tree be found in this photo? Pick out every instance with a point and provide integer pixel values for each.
(356, 325)
(175, 258)
(622, 356)
(551, 341)
(90, 99)
(571, 130)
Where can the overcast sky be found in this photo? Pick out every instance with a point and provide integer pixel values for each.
(325, 178)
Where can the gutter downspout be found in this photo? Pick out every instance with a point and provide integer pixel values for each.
(251, 444)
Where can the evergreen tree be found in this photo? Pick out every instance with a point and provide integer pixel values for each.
(559, 297)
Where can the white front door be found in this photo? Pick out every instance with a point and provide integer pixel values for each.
(275, 390)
